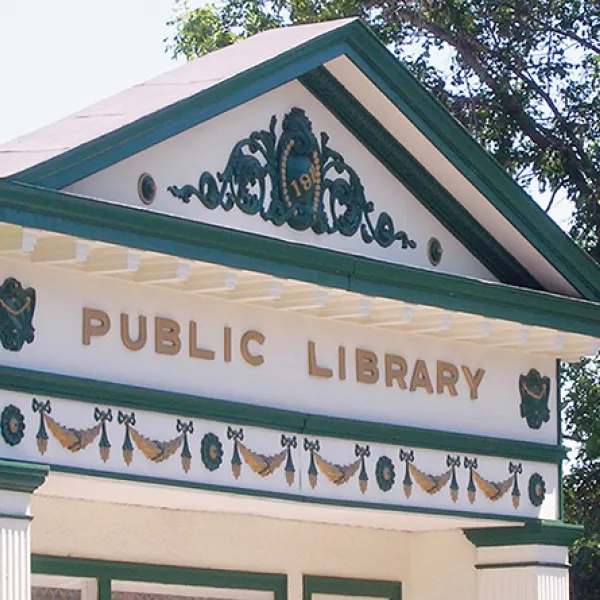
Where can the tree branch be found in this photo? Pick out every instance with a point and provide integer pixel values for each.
(552, 198)
(467, 47)
(574, 37)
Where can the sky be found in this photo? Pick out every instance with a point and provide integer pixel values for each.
(59, 56)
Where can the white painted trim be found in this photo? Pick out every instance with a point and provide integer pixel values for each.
(522, 554)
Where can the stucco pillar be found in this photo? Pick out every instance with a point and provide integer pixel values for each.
(17, 482)
(523, 563)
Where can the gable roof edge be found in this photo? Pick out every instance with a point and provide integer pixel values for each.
(356, 41)
(475, 163)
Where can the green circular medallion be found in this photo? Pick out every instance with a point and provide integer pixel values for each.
(12, 425)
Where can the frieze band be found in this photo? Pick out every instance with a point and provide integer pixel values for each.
(359, 464)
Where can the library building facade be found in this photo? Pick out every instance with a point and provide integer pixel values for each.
(274, 327)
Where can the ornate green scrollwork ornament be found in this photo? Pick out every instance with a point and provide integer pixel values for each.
(12, 425)
(535, 391)
(17, 306)
(311, 186)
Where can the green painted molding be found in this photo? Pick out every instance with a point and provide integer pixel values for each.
(544, 533)
(404, 167)
(343, 586)
(126, 571)
(189, 406)
(559, 439)
(357, 42)
(137, 228)
(15, 516)
(104, 588)
(21, 476)
(522, 565)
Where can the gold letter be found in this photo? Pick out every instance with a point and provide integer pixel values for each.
(447, 376)
(395, 370)
(130, 344)
(227, 344)
(342, 362)
(90, 329)
(313, 368)
(420, 377)
(366, 366)
(166, 336)
(473, 380)
(252, 336)
(196, 352)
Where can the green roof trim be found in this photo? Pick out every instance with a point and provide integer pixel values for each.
(21, 477)
(100, 153)
(409, 171)
(544, 533)
(475, 163)
(357, 42)
(138, 228)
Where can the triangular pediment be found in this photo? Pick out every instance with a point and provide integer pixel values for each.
(407, 184)
(283, 166)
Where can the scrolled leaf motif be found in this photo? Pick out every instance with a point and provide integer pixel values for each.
(243, 182)
(301, 173)
(17, 306)
(535, 391)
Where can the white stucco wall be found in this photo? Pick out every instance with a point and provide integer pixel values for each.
(431, 566)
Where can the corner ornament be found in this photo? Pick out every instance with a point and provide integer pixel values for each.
(311, 186)
(534, 390)
(17, 306)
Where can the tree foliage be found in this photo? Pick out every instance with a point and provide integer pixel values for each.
(581, 419)
(524, 78)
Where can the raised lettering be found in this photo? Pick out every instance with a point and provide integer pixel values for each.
(396, 370)
(96, 323)
(227, 344)
(313, 368)
(473, 381)
(142, 336)
(420, 377)
(196, 352)
(166, 336)
(342, 363)
(447, 377)
(366, 366)
(252, 336)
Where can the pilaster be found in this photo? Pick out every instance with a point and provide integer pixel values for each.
(17, 482)
(523, 563)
